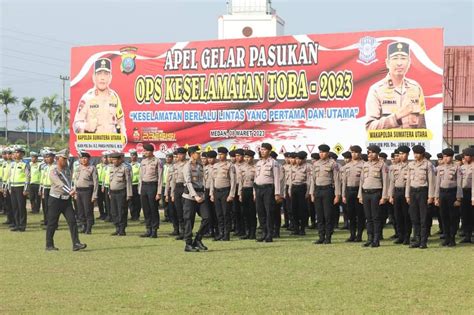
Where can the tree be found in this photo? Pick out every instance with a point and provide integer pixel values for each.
(7, 98)
(58, 117)
(49, 106)
(27, 114)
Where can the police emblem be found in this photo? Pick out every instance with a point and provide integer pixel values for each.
(128, 59)
(367, 46)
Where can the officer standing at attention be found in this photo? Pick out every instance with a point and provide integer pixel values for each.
(59, 201)
(466, 207)
(223, 192)
(6, 167)
(373, 193)
(325, 192)
(134, 205)
(247, 179)
(267, 191)
(120, 192)
(299, 184)
(100, 194)
(237, 207)
(351, 174)
(150, 181)
(86, 186)
(208, 179)
(177, 189)
(165, 193)
(194, 201)
(35, 170)
(18, 183)
(46, 182)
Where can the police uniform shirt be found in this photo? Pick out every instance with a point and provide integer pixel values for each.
(85, 177)
(398, 175)
(374, 176)
(150, 171)
(384, 100)
(224, 176)
(449, 176)
(326, 172)
(193, 174)
(177, 176)
(16, 168)
(121, 178)
(466, 172)
(61, 182)
(267, 171)
(287, 168)
(247, 177)
(208, 169)
(421, 174)
(300, 174)
(350, 175)
(237, 167)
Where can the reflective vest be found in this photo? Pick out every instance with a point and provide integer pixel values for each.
(100, 173)
(6, 170)
(45, 180)
(135, 173)
(106, 176)
(18, 174)
(35, 169)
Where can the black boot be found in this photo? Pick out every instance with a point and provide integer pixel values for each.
(83, 228)
(416, 243)
(370, 239)
(147, 233)
(320, 240)
(116, 231)
(199, 244)
(89, 229)
(351, 238)
(328, 239)
(376, 241)
(154, 234)
(78, 246)
(190, 248)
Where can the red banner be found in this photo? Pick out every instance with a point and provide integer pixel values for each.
(295, 92)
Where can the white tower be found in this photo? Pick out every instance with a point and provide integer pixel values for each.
(250, 18)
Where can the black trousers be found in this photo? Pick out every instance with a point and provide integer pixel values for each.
(107, 202)
(223, 210)
(45, 198)
(101, 202)
(355, 212)
(164, 204)
(55, 208)
(178, 206)
(372, 212)
(237, 215)
(299, 205)
(467, 212)
(35, 199)
(190, 208)
(19, 206)
(135, 204)
(8, 206)
(402, 214)
(419, 213)
(449, 213)
(323, 203)
(265, 204)
(312, 212)
(85, 207)
(118, 208)
(249, 211)
(287, 210)
(150, 205)
(213, 228)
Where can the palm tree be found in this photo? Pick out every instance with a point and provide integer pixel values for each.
(58, 117)
(27, 114)
(7, 98)
(49, 106)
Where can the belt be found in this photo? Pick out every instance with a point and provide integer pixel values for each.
(179, 185)
(221, 189)
(247, 188)
(371, 191)
(150, 183)
(263, 186)
(400, 189)
(352, 188)
(298, 185)
(61, 197)
(84, 188)
(448, 190)
(324, 187)
(467, 189)
(418, 189)
(117, 191)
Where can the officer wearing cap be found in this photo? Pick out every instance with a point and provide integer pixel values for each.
(100, 109)
(299, 184)
(237, 207)
(135, 205)
(59, 201)
(208, 179)
(466, 202)
(351, 174)
(86, 185)
(35, 177)
(177, 188)
(287, 214)
(45, 181)
(247, 180)
(448, 196)
(166, 190)
(18, 183)
(101, 170)
(222, 192)
(279, 202)
(373, 192)
(150, 181)
(325, 192)
(398, 176)
(395, 101)
(106, 187)
(6, 167)
(120, 192)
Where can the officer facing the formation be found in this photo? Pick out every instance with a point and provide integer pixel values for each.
(35, 178)
(223, 192)
(247, 179)
(46, 182)
(373, 193)
(299, 184)
(59, 201)
(325, 192)
(420, 192)
(176, 180)
(135, 204)
(120, 192)
(267, 191)
(150, 180)
(466, 207)
(194, 201)
(18, 183)
(351, 174)
(86, 186)
(448, 196)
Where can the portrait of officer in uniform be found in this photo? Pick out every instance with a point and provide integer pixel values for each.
(396, 102)
(100, 110)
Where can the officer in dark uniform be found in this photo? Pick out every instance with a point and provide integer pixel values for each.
(466, 203)
(300, 180)
(247, 179)
(237, 206)
(312, 211)
(176, 182)
(120, 192)
(209, 177)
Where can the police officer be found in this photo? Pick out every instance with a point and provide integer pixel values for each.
(395, 101)
(247, 179)
(106, 188)
(267, 191)
(35, 170)
(448, 196)
(6, 167)
(45, 186)
(208, 179)
(150, 181)
(466, 206)
(177, 189)
(351, 174)
(299, 183)
(101, 167)
(237, 207)
(86, 185)
(222, 192)
(325, 192)
(311, 209)
(165, 193)
(134, 205)
(59, 201)
(373, 193)
(120, 192)
(287, 215)
(18, 183)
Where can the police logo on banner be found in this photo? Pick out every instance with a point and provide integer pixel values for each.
(128, 59)
(367, 46)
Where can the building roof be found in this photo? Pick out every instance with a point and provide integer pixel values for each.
(459, 78)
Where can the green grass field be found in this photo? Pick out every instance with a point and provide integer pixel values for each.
(134, 275)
